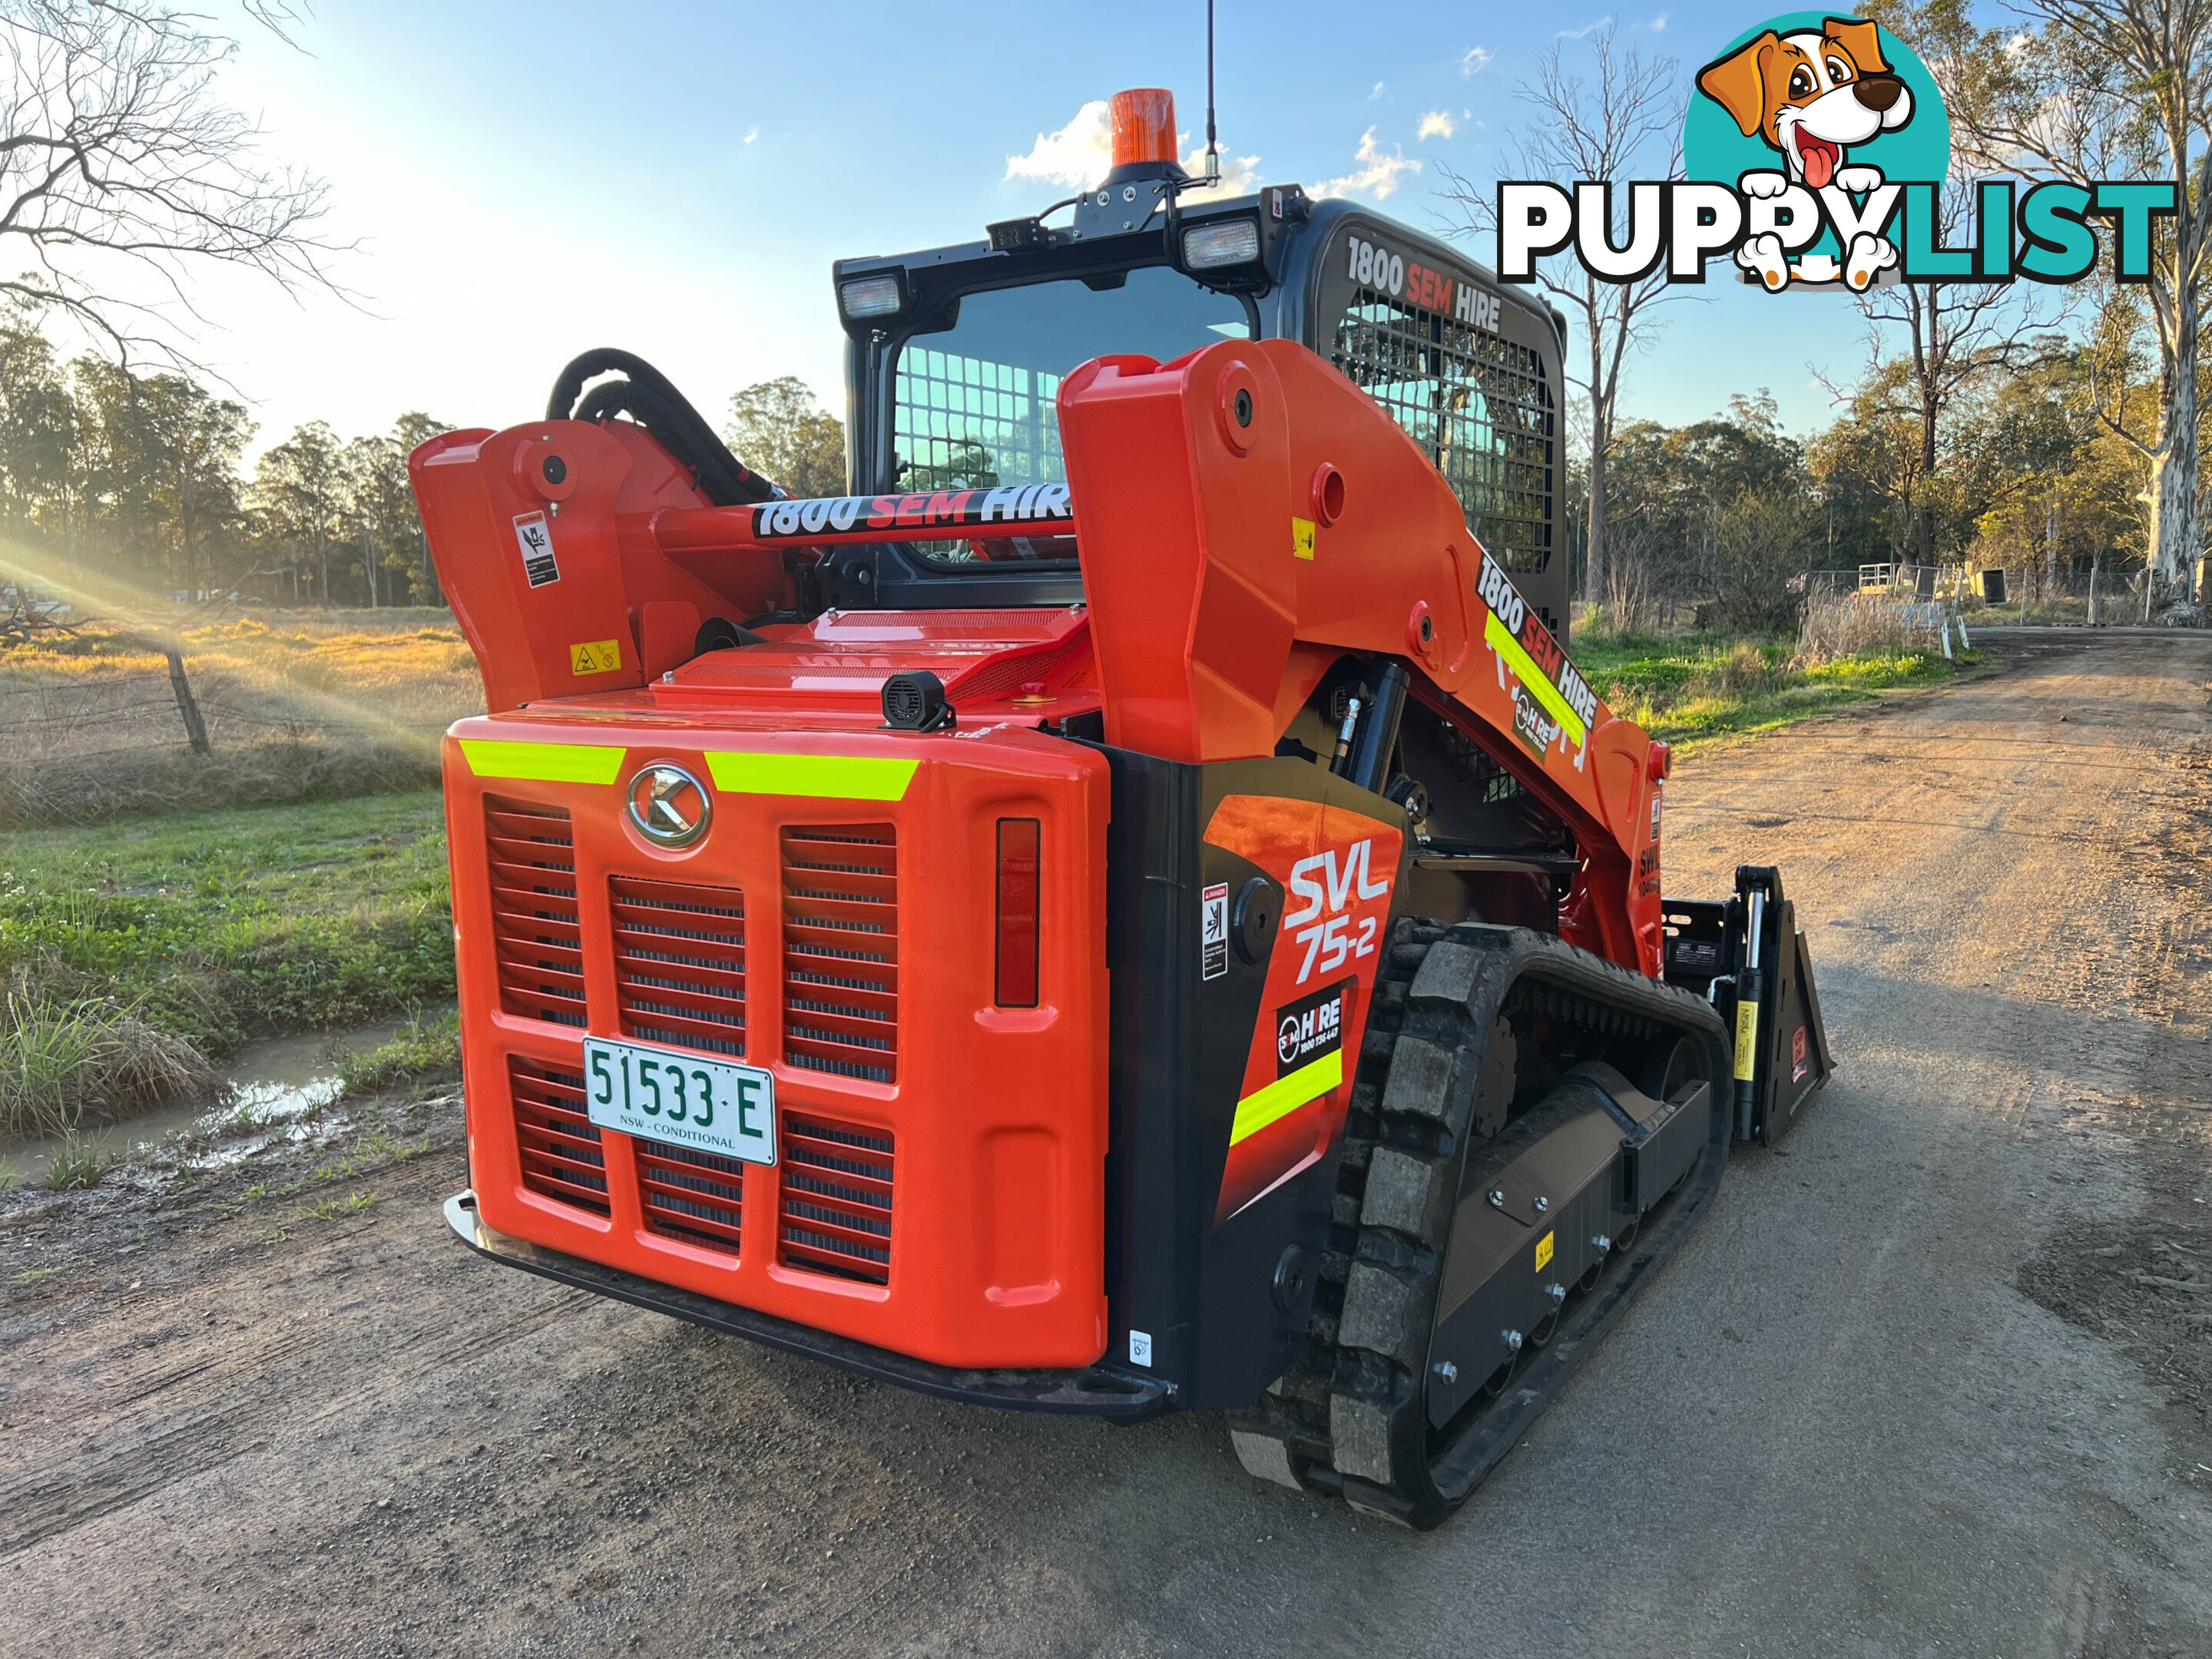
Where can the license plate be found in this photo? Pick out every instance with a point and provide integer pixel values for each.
(662, 1094)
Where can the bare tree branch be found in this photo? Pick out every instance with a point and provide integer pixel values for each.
(1625, 124)
(122, 170)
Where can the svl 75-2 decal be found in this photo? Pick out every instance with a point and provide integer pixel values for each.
(1330, 940)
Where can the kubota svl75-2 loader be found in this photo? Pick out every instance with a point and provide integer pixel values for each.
(1133, 907)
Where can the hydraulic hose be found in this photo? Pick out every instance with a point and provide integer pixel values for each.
(647, 396)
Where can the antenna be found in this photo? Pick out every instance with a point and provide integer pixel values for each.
(1212, 148)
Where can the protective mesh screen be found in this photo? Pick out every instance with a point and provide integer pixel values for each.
(965, 422)
(1480, 405)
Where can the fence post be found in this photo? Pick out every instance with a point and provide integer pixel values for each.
(187, 705)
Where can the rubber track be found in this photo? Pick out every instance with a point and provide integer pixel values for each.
(1351, 1417)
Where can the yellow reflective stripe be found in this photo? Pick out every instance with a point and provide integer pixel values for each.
(1285, 1095)
(841, 777)
(1540, 684)
(542, 762)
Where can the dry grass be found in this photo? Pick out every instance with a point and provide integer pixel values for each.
(63, 1062)
(298, 705)
(1840, 626)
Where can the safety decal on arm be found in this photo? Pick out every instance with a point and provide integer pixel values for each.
(533, 535)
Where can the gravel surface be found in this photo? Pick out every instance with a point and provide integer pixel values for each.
(1932, 1381)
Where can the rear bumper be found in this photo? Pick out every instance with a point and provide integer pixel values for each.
(1090, 1391)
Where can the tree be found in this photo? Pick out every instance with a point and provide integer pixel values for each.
(1627, 124)
(299, 499)
(1953, 336)
(778, 430)
(121, 169)
(2050, 484)
(411, 432)
(190, 442)
(2106, 89)
(38, 429)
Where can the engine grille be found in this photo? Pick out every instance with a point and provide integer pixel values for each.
(561, 1158)
(532, 852)
(680, 963)
(836, 1198)
(691, 1195)
(841, 950)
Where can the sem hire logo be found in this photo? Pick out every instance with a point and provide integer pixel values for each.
(1814, 153)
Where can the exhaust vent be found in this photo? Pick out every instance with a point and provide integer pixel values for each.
(691, 1195)
(841, 950)
(530, 850)
(680, 963)
(561, 1158)
(836, 1183)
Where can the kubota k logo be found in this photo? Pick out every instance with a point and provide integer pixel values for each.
(668, 805)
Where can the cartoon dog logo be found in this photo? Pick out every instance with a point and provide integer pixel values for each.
(1811, 95)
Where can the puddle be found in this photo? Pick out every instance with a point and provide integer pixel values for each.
(274, 1086)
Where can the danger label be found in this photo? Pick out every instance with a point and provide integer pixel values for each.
(595, 657)
(1213, 931)
(533, 534)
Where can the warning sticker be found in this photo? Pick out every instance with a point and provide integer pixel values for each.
(534, 536)
(1543, 1251)
(1302, 539)
(1799, 1065)
(1213, 931)
(595, 657)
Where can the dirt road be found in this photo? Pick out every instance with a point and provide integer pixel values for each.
(1933, 1383)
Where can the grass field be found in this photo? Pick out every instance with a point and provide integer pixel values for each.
(1689, 691)
(297, 705)
(209, 928)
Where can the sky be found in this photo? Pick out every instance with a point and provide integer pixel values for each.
(521, 182)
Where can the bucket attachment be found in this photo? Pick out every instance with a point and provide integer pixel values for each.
(1748, 956)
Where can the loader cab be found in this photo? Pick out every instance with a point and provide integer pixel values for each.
(955, 355)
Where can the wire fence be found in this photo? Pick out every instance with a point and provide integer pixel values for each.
(330, 709)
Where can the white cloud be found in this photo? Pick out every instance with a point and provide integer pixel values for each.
(1081, 153)
(1239, 174)
(1658, 25)
(1474, 60)
(1435, 124)
(1585, 30)
(1078, 155)
(1376, 174)
(1377, 93)
(749, 136)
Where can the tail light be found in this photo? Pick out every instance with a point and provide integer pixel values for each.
(1020, 841)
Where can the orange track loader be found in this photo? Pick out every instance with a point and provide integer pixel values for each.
(1133, 908)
